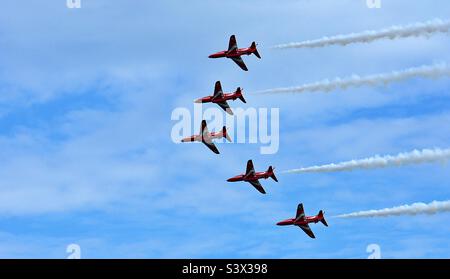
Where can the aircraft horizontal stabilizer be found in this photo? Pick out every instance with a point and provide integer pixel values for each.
(241, 97)
(320, 215)
(225, 133)
(255, 50)
(272, 174)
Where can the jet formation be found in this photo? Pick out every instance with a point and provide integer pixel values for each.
(251, 176)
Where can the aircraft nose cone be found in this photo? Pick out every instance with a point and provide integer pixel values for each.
(211, 56)
(198, 101)
(230, 179)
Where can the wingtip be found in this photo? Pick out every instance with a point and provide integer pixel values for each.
(262, 191)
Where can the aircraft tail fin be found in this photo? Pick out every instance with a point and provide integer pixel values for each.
(241, 97)
(225, 133)
(322, 219)
(272, 174)
(255, 50)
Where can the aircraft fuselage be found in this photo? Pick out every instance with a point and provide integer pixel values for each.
(226, 97)
(212, 135)
(236, 53)
(307, 220)
(256, 176)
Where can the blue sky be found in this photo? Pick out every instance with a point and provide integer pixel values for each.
(86, 97)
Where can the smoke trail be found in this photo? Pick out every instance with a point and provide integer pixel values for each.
(413, 209)
(428, 71)
(414, 157)
(394, 32)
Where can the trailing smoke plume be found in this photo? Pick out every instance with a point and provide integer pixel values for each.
(412, 30)
(408, 158)
(428, 71)
(413, 209)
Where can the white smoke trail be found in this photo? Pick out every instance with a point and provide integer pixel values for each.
(394, 32)
(428, 71)
(413, 209)
(408, 158)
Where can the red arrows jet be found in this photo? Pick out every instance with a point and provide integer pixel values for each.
(221, 98)
(253, 177)
(302, 221)
(234, 53)
(207, 137)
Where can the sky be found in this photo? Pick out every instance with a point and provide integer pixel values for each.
(86, 98)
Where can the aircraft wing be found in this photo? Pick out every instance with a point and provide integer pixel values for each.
(232, 45)
(300, 213)
(307, 230)
(224, 105)
(250, 169)
(211, 146)
(258, 186)
(206, 139)
(240, 62)
(204, 129)
(218, 90)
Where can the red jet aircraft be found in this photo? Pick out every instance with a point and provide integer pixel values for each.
(234, 53)
(221, 98)
(207, 137)
(252, 177)
(302, 221)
